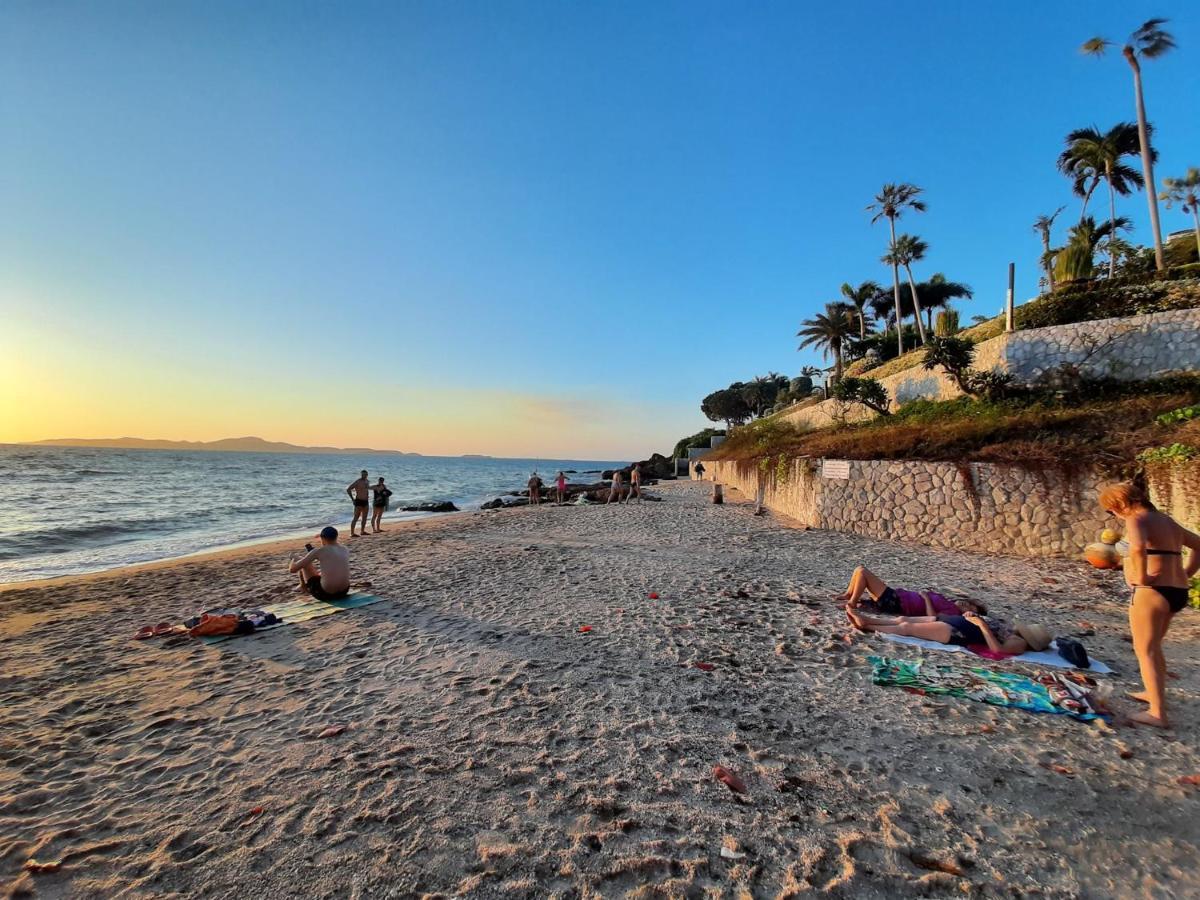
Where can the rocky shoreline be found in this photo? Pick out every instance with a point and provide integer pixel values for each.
(656, 468)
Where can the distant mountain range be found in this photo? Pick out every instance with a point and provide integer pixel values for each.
(239, 445)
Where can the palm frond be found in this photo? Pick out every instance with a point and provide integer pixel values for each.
(1095, 46)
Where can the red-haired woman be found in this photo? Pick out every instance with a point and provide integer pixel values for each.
(1156, 571)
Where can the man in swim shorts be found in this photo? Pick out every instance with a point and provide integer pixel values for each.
(325, 570)
(358, 491)
(615, 488)
(635, 483)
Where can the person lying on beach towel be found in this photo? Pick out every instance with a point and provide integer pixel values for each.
(970, 630)
(899, 602)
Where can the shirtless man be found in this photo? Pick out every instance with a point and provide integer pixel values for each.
(615, 489)
(358, 491)
(325, 570)
(635, 483)
(535, 489)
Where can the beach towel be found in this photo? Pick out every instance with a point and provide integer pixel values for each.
(302, 609)
(981, 685)
(1047, 657)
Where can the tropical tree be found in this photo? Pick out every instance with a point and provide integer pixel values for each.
(937, 292)
(906, 250)
(1150, 41)
(1186, 192)
(1092, 157)
(1076, 259)
(890, 203)
(859, 297)
(1042, 225)
(829, 331)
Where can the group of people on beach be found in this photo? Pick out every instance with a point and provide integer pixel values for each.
(358, 491)
(616, 489)
(1154, 568)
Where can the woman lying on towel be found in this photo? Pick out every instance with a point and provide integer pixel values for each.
(969, 630)
(899, 602)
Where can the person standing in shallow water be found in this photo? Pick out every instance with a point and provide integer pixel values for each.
(357, 491)
(1156, 571)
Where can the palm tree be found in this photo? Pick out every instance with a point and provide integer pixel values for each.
(906, 250)
(1095, 157)
(1150, 41)
(1042, 225)
(1076, 260)
(829, 331)
(860, 296)
(890, 203)
(1186, 192)
(937, 292)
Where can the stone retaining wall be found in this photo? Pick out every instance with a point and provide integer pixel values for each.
(1131, 349)
(982, 507)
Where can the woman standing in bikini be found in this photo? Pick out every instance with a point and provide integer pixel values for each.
(1159, 577)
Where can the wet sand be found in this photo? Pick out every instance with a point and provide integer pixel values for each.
(491, 749)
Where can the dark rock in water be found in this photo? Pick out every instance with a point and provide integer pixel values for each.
(440, 506)
(498, 503)
(607, 474)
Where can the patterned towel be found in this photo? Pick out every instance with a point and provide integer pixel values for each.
(302, 609)
(981, 685)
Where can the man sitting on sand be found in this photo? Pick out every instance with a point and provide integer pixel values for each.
(964, 631)
(899, 602)
(325, 570)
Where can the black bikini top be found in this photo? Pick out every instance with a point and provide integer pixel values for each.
(1150, 552)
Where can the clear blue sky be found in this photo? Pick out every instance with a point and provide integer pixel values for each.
(659, 192)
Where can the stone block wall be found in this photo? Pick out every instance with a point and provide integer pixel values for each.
(1131, 348)
(981, 507)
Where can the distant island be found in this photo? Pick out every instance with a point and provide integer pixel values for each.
(230, 445)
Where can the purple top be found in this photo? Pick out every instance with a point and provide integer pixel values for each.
(913, 604)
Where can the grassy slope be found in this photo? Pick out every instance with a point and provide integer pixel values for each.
(1106, 429)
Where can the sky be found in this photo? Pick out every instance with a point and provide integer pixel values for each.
(535, 228)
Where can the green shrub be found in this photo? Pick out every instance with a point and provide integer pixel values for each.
(1179, 415)
(1172, 453)
(867, 391)
(1108, 300)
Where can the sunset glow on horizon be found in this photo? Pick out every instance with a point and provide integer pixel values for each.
(515, 229)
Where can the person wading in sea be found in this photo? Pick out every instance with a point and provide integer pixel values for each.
(358, 491)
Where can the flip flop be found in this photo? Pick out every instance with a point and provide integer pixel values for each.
(162, 628)
(146, 631)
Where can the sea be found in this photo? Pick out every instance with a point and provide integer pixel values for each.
(71, 510)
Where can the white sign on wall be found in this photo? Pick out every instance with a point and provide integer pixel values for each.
(835, 468)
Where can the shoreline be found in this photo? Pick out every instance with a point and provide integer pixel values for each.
(465, 736)
(264, 546)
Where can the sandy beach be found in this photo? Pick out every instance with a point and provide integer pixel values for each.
(492, 749)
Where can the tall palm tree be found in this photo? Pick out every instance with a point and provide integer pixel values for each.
(1186, 192)
(859, 297)
(906, 250)
(829, 331)
(890, 203)
(1150, 41)
(1042, 225)
(1095, 157)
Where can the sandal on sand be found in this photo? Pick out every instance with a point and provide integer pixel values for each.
(162, 628)
(146, 631)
